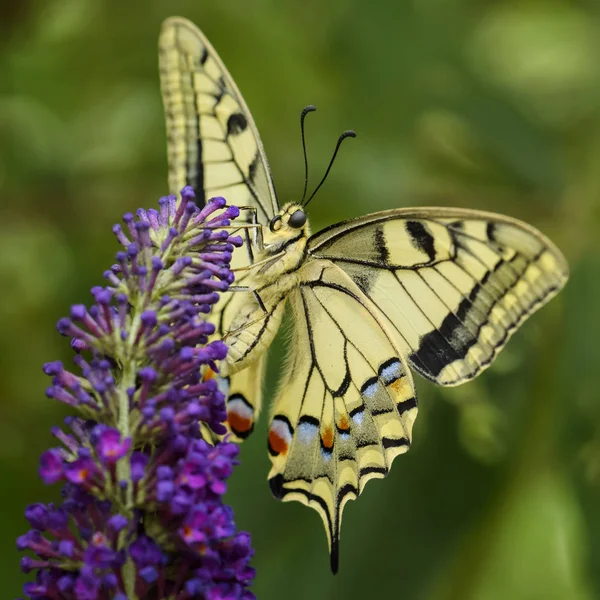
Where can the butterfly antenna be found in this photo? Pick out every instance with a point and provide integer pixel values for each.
(305, 111)
(342, 137)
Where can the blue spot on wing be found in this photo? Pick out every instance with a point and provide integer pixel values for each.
(391, 371)
(307, 430)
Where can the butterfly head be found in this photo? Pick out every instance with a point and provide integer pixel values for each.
(291, 219)
(288, 230)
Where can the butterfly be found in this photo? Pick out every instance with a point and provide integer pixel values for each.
(437, 291)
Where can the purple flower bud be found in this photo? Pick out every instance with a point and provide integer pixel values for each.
(148, 374)
(64, 326)
(148, 574)
(132, 250)
(164, 472)
(37, 515)
(51, 466)
(31, 538)
(145, 551)
(138, 464)
(217, 350)
(118, 231)
(232, 212)
(186, 354)
(117, 522)
(53, 368)
(167, 413)
(149, 319)
(157, 263)
(87, 585)
(164, 491)
(57, 519)
(154, 218)
(66, 548)
(78, 312)
(103, 297)
(79, 345)
(142, 225)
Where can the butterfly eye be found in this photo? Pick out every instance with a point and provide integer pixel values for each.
(298, 219)
(275, 224)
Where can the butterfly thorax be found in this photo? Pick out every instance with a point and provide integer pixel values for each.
(275, 274)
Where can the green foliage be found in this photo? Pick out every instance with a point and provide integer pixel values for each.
(483, 105)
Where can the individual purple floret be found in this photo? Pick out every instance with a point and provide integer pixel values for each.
(142, 513)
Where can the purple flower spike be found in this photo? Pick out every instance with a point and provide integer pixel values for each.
(141, 486)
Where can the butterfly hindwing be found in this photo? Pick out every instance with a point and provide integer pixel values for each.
(453, 284)
(346, 403)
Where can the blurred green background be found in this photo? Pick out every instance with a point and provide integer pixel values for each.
(488, 105)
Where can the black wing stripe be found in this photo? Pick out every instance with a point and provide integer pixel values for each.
(226, 135)
(460, 318)
(431, 346)
(198, 181)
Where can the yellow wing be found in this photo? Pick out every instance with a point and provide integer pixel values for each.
(451, 284)
(346, 402)
(212, 141)
(213, 145)
(244, 391)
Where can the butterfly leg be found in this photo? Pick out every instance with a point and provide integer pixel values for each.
(239, 329)
(257, 238)
(260, 263)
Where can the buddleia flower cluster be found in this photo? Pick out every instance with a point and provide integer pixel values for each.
(142, 513)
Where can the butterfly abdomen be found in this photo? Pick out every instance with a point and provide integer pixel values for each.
(251, 334)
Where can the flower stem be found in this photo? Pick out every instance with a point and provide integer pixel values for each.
(124, 469)
(123, 466)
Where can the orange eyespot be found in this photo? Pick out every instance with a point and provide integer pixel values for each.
(327, 438)
(277, 444)
(208, 374)
(399, 385)
(238, 423)
(344, 425)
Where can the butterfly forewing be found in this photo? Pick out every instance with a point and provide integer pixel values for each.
(213, 145)
(451, 284)
(212, 141)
